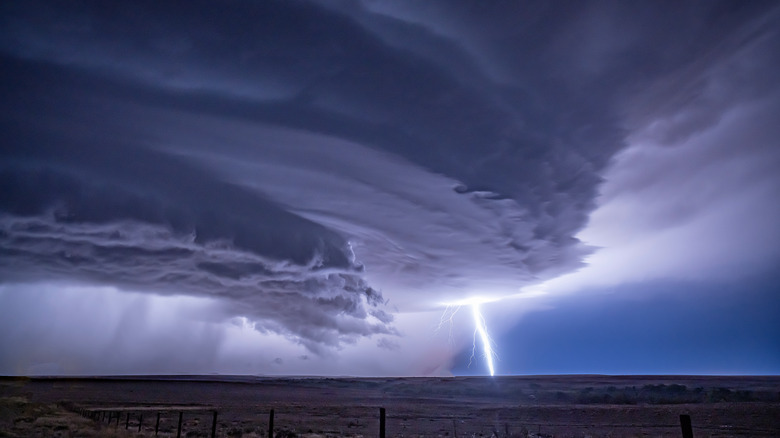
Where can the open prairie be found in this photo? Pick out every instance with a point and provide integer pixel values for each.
(467, 407)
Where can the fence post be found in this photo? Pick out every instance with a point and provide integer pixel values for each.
(140, 421)
(271, 424)
(381, 422)
(157, 425)
(117, 420)
(685, 424)
(178, 433)
(214, 426)
(127, 421)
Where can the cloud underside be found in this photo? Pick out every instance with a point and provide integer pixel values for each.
(317, 167)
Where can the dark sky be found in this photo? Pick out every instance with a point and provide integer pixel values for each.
(305, 187)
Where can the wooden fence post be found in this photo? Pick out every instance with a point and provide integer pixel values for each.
(271, 424)
(685, 424)
(157, 425)
(140, 421)
(127, 421)
(117, 420)
(214, 426)
(178, 433)
(381, 422)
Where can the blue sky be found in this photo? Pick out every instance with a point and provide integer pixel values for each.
(656, 328)
(327, 187)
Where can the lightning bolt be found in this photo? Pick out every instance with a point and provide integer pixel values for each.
(487, 343)
(480, 329)
(447, 318)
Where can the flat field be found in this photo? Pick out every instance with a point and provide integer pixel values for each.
(458, 407)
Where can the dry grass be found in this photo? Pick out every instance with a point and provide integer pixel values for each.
(532, 407)
(20, 417)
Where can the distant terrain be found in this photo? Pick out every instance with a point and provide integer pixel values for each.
(458, 407)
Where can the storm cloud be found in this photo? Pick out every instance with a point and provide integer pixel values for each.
(317, 167)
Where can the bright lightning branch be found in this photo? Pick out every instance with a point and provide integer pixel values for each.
(481, 330)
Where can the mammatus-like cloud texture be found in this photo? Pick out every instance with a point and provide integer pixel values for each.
(317, 166)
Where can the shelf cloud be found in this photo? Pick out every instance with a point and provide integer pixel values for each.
(320, 167)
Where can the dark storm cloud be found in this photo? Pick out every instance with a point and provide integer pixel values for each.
(85, 198)
(90, 228)
(293, 158)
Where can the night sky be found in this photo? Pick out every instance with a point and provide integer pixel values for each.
(329, 187)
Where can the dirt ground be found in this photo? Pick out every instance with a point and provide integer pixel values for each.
(466, 407)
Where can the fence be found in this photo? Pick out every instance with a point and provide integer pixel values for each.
(114, 416)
